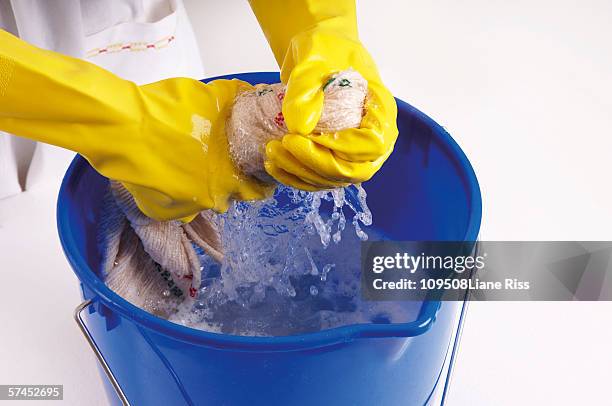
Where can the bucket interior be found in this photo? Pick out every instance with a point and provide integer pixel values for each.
(426, 190)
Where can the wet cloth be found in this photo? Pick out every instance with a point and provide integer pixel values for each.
(152, 264)
(257, 118)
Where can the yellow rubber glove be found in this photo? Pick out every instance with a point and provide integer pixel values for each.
(311, 40)
(164, 141)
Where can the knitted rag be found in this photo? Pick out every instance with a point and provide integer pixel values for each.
(152, 264)
(257, 118)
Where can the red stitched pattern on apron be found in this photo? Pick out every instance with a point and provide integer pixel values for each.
(131, 46)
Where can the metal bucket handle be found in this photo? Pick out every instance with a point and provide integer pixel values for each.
(96, 350)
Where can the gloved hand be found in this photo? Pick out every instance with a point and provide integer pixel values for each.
(311, 40)
(164, 141)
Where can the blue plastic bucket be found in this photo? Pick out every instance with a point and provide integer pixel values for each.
(427, 190)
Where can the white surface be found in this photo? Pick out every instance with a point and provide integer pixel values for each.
(40, 343)
(524, 87)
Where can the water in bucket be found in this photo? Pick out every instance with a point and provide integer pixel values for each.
(292, 266)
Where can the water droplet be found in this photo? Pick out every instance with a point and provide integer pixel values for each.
(313, 267)
(326, 269)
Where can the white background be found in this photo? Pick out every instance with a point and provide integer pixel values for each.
(525, 87)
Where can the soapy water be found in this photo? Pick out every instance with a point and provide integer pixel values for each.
(291, 266)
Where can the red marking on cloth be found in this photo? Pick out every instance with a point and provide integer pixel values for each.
(281, 96)
(192, 291)
(279, 119)
(187, 276)
(150, 45)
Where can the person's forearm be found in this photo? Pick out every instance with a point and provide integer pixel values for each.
(283, 19)
(164, 141)
(50, 97)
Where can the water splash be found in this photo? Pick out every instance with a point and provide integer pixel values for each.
(267, 243)
(286, 267)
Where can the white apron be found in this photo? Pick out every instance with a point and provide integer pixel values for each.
(142, 41)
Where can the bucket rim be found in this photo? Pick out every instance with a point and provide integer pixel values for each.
(94, 288)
